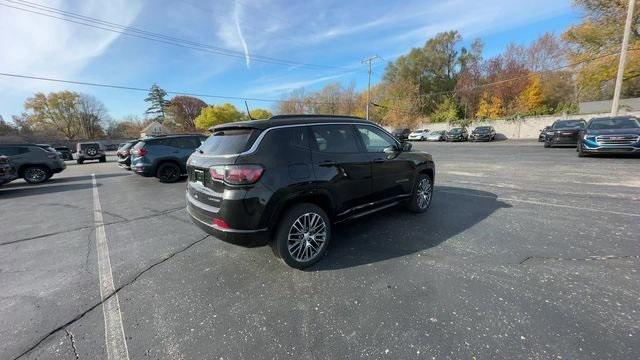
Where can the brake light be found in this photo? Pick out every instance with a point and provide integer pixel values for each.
(220, 223)
(141, 152)
(52, 156)
(236, 174)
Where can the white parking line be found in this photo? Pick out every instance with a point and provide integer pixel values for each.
(116, 343)
(540, 203)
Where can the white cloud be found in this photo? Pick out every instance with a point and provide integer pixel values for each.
(279, 87)
(236, 17)
(36, 45)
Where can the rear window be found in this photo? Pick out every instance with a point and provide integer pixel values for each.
(568, 124)
(227, 142)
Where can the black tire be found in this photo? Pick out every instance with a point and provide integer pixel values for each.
(581, 153)
(103, 159)
(304, 251)
(546, 144)
(168, 173)
(36, 174)
(80, 161)
(421, 195)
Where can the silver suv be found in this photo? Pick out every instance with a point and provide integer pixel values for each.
(90, 151)
(33, 163)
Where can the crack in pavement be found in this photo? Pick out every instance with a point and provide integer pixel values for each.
(73, 343)
(590, 258)
(160, 213)
(134, 279)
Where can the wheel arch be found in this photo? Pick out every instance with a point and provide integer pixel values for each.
(320, 198)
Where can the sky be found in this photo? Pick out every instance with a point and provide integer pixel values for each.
(320, 41)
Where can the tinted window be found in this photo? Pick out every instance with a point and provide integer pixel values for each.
(184, 143)
(482, 129)
(227, 142)
(291, 138)
(568, 124)
(614, 123)
(334, 138)
(13, 150)
(374, 140)
(455, 131)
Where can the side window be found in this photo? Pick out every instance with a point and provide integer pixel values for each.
(374, 139)
(185, 143)
(8, 151)
(334, 139)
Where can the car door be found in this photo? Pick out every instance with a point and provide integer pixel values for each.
(184, 147)
(391, 171)
(17, 154)
(340, 167)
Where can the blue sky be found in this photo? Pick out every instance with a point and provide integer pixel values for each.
(337, 34)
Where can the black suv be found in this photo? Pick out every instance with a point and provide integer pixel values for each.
(285, 180)
(401, 134)
(164, 157)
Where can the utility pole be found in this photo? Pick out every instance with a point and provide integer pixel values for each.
(623, 59)
(369, 60)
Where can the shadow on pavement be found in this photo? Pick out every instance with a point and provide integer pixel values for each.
(41, 190)
(396, 232)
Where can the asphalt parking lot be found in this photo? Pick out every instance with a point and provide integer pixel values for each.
(526, 253)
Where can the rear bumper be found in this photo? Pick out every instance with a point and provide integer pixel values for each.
(202, 215)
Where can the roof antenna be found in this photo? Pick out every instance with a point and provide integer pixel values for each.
(248, 112)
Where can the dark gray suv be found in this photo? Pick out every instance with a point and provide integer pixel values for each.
(164, 157)
(33, 163)
(90, 151)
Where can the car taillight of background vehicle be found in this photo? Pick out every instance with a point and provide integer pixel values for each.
(140, 152)
(236, 174)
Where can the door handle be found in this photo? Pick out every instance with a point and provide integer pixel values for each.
(328, 163)
(378, 160)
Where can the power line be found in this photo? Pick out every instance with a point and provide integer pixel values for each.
(132, 88)
(79, 19)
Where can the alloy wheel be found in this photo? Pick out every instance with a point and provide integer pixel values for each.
(35, 175)
(423, 195)
(306, 237)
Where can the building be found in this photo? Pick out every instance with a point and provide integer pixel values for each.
(154, 129)
(594, 107)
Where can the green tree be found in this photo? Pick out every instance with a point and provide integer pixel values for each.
(218, 114)
(261, 114)
(447, 111)
(57, 110)
(157, 103)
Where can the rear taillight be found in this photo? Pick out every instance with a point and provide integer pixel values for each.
(140, 152)
(236, 174)
(220, 224)
(52, 156)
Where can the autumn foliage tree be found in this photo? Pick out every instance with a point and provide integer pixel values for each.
(183, 110)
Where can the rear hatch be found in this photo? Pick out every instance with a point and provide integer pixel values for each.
(222, 148)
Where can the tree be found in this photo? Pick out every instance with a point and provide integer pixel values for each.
(293, 103)
(600, 33)
(217, 114)
(92, 114)
(183, 110)
(7, 128)
(56, 110)
(490, 107)
(447, 111)
(530, 100)
(402, 102)
(157, 103)
(260, 114)
(128, 127)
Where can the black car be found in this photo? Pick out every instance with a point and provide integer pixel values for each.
(401, 134)
(458, 134)
(543, 133)
(65, 151)
(610, 135)
(483, 133)
(564, 133)
(285, 180)
(124, 154)
(164, 157)
(8, 172)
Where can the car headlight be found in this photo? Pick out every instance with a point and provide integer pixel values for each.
(550, 132)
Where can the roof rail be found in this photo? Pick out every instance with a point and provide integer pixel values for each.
(313, 116)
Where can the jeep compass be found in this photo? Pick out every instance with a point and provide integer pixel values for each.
(286, 180)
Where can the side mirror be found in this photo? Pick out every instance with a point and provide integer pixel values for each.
(391, 150)
(406, 146)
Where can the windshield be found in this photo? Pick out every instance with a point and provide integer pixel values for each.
(437, 132)
(614, 123)
(227, 142)
(568, 124)
(455, 131)
(482, 130)
(418, 131)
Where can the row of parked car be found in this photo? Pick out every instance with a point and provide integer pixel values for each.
(606, 135)
(480, 133)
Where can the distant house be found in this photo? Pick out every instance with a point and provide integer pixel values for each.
(154, 129)
(594, 107)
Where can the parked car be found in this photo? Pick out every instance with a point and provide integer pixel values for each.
(483, 133)
(543, 133)
(164, 157)
(111, 147)
(65, 152)
(8, 172)
(564, 133)
(32, 162)
(458, 134)
(284, 181)
(437, 136)
(610, 135)
(401, 134)
(419, 135)
(90, 151)
(124, 154)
